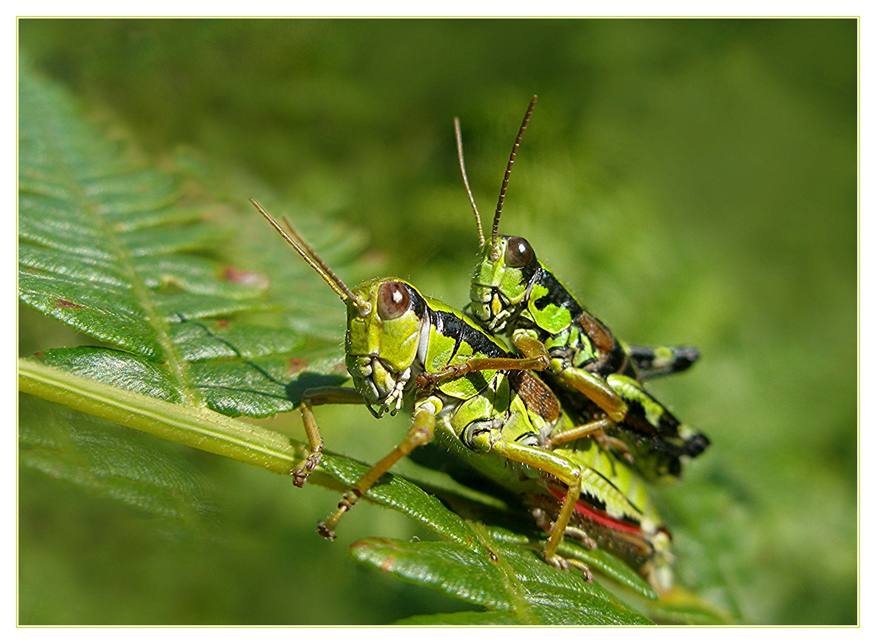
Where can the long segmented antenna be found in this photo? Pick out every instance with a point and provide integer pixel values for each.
(294, 239)
(465, 181)
(508, 169)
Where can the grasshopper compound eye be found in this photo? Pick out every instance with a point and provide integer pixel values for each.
(519, 252)
(393, 300)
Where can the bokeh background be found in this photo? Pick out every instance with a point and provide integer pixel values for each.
(693, 181)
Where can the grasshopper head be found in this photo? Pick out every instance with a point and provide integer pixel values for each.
(384, 317)
(382, 340)
(501, 280)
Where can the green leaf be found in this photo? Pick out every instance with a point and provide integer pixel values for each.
(506, 579)
(107, 246)
(194, 427)
(397, 493)
(599, 560)
(681, 607)
(494, 567)
(111, 461)
(463, 618)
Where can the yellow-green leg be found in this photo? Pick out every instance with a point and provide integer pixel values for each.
(560, 468)
(595, 430)
(309, 399)
(597, 390)
(537, 358)
(420, 433)
(425, 380)
(591, 385)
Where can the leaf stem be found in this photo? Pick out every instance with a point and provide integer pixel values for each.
(195, 427)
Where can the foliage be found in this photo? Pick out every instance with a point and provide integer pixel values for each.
(701, 177)
(107, 247)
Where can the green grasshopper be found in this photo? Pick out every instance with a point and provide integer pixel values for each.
(496, 422)
(513, 293)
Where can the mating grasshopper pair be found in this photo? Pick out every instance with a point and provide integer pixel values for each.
(514, 294)
(470, 394)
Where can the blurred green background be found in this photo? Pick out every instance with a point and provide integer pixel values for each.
(692, 181)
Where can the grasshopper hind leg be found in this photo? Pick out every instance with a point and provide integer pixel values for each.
(554, 467)
(656, 362)
(544, 521)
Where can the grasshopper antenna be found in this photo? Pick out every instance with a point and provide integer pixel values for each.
(465, 181)
(310, 256)
(508, 169)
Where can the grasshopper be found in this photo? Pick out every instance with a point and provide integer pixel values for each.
(495, 420)
(513, 293)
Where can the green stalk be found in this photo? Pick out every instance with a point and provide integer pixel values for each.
(195, 427)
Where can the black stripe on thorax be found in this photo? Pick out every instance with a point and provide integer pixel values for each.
(557, 294)
(453, 326)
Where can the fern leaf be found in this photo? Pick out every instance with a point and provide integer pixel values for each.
(509, 580)
(113, 462)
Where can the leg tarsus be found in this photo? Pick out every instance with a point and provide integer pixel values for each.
(582, 567)
(543, 521)
(566, 564)
(300, 474)
(310, 398)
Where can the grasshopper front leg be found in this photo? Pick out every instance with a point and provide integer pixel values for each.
(536, 358)
(533, 363)
(420, 433)
(310, 398)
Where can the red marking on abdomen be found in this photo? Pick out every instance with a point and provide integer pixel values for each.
(600, 516)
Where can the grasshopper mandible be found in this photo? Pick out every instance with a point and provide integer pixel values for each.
(498, 423)
(513, 293)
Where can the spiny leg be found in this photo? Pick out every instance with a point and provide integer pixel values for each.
(310, 398)
(425, 380)
(535, 358)
(419, 434)
(559, 467)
